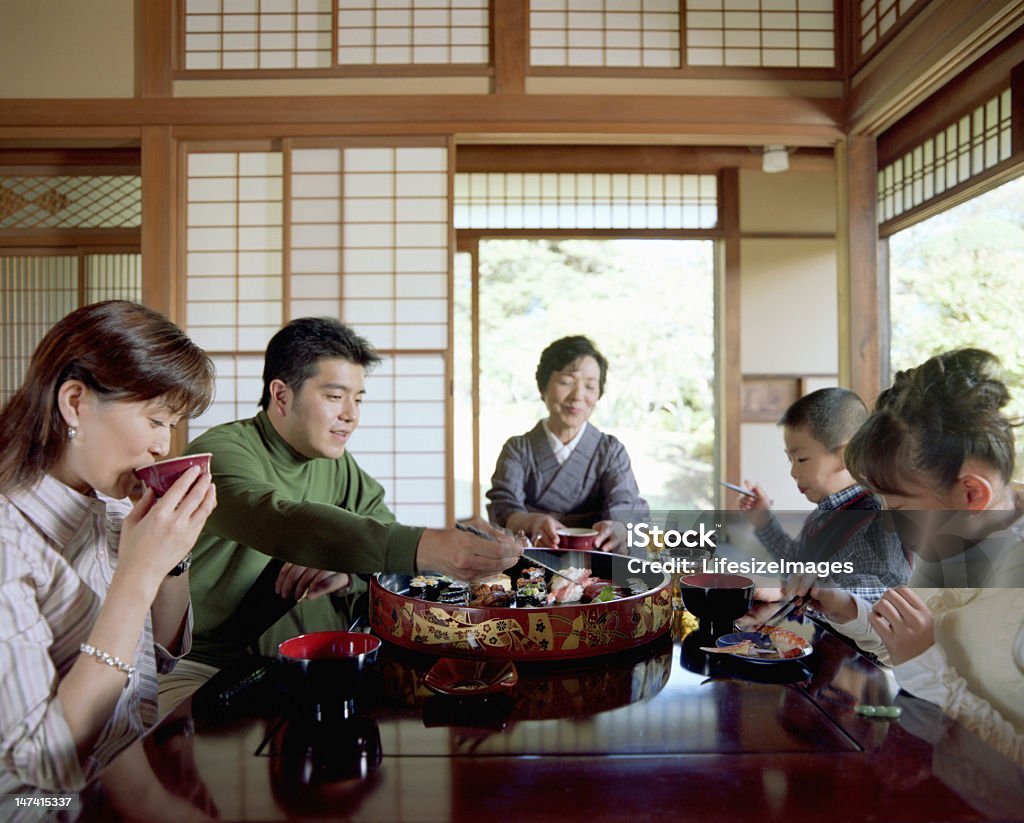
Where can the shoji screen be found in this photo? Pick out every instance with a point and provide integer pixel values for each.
(974, 142)
(38, 290)
(354, 232)
(35, 292)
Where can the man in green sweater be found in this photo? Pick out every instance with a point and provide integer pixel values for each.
(287, 489)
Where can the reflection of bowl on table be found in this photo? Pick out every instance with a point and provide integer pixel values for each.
(576, 539)
(551, 632)
(545, 691)
(330, 751)
(324, 670)
(462, 678)
(716, 600)
(325, 768)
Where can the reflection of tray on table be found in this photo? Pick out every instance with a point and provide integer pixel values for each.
(545, 691)
(553, 632)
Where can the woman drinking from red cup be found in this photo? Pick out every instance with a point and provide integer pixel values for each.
(94, 598)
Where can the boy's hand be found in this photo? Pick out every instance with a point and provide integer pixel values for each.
(757, 509)
(799, 585)
(838, 606)
(904, 623)
(769, 594)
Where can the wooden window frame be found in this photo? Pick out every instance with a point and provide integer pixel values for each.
(971, 89)
(176, 31)
(851, 25)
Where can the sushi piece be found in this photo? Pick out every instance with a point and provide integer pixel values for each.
(501, 581)
(425, 587)
(457, 594)
(568, 586)
(601, 591)
(485, 597)
(533, 573)
(530, 593)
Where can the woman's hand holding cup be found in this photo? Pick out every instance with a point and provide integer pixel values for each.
(158, 533)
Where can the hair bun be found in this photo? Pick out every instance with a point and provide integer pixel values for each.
(932, 419)
(953, 391)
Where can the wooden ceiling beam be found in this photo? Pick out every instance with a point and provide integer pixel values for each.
(61, 160)
(625, 159)
(780, 117)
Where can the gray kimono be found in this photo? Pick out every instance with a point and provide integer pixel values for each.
(595, 483)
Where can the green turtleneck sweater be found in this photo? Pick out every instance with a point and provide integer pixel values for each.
(274, 502)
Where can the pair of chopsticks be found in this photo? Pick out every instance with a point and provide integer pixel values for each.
(551, 569)
(787, 607)
(479, 533)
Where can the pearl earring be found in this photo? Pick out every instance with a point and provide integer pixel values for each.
(72, 431)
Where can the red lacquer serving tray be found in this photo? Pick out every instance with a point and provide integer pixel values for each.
(556, 632)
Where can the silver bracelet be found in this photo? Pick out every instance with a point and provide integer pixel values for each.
(103, 657)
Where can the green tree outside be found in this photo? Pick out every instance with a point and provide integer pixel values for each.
(956, 282)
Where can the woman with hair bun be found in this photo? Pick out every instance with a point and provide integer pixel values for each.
(94, 593)
(940, 451)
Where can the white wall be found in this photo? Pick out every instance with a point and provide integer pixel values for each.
(788, 310)
(788, 307)
(67, 48)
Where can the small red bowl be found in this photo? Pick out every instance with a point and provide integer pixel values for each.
(161, 476)
(576, 539)
(320, 646)
(325, 670)
(716, 600)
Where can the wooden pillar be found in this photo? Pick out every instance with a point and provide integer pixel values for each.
(510, 38)
(159, 235)
(728, 311)
(154, 34)
(860, 292)
(159, 221)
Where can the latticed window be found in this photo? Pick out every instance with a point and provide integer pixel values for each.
(963, 150)
(72, 201)
(37, 290)
(332, 36)
(40, 284)
(324, 34)
(585, 201)
(878, 19)
(604, 33)
(767, 33)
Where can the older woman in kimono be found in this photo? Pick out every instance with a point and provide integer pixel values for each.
(564, 472)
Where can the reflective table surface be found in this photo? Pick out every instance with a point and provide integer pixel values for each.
(664, 730)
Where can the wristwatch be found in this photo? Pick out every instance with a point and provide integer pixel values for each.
(182, 567)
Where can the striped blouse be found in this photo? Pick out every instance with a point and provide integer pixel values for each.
(57, 553)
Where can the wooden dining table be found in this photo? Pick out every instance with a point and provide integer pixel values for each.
(664, 731)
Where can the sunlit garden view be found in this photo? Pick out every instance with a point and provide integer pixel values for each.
(956, 281)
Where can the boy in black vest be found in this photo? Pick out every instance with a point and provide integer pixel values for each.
(845, 528)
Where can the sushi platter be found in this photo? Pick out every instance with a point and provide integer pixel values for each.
(553, 605)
